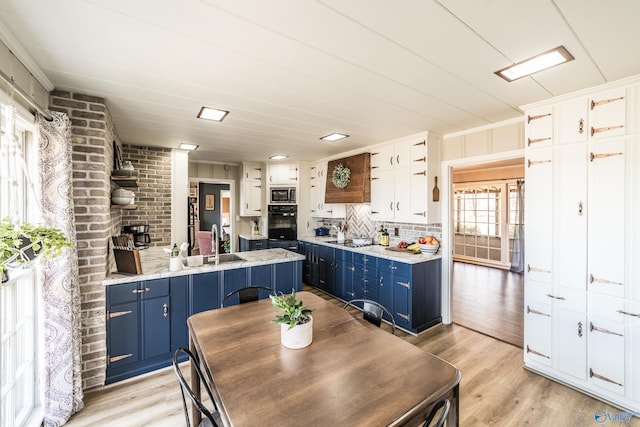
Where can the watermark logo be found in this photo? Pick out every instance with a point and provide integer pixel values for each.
(602, 417)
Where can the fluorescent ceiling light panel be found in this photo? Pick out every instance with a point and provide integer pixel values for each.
(334, 137)
(537, 63)
(278, 157)
(212, 114)
(190, 147)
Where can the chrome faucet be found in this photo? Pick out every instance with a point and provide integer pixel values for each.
(214, 244)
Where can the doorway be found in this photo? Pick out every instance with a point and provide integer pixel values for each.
(211, 202)
(484, 295)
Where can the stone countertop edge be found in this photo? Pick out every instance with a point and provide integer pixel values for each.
(155, 264)
(376, 250)
(253, 237)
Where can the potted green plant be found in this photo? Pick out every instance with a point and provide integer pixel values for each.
(22, 243)
(296, 322)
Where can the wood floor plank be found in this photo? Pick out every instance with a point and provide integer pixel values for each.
(495, 389)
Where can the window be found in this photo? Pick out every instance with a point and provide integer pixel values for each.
(484, 216)
(19, 363)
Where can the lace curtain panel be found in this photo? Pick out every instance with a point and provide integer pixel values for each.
(62, 379)
(517, 260)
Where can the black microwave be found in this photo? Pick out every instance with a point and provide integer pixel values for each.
(285, 195)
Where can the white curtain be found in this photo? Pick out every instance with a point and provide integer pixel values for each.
(517, 259)
(62, 379)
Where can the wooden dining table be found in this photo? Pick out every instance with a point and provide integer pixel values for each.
(352, 374)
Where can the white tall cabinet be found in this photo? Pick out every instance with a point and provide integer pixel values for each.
(582, 232)
(251, 190)
(317, 188)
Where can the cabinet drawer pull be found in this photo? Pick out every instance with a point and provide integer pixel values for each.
(140, 291)
(592, 279)
(390, 206)
(555, 297)
(626, 313)
(398, 159)
(117, 358)
(603, 378)
(595, 104)
(118, 314)
(580, 329)
(595, 328)
(404, 284)
(580, 126)
(398, 206)
(536, 269)
(536, 140)
(165, 310)
(532, 311)
(593, 157)
(604, 129)
(539, 116)
(404, 316)
(537, 353)
(580, 208)
(536, 162)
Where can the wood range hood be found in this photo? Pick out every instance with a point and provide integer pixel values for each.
(359, 188)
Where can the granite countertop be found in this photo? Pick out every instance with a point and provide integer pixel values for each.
(376, 250)
(253, 237)
(155, 264)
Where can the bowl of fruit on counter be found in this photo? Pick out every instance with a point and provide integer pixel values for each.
(428, 244)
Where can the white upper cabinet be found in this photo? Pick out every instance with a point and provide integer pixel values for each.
(251, 190)
(401, 173)
(282, 174)
(317, 188)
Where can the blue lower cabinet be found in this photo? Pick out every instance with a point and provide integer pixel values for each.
(204, 292)
(147, 320)
(287, 276)
(252, 244)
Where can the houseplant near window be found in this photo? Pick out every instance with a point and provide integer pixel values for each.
(296, 322)
(22, 243)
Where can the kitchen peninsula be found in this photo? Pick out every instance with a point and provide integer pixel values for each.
(407, 284)
(147, 313)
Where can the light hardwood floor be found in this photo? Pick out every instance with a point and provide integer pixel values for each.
(495, 389)
(489, 300)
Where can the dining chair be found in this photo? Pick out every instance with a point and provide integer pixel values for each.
(211, 418)
(246, 294)
(444, 404)
(373, 311)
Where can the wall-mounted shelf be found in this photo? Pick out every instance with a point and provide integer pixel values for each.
(125, 181)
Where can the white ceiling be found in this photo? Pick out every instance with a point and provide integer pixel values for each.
(291, 71)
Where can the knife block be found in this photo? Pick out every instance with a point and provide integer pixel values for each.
(128, 261)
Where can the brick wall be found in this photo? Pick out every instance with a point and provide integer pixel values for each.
(153, 195)
(92, 137)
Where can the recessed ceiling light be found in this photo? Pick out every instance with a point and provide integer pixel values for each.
(334, 137)
(212, 114)
(190, 147)
(278, 157)
(540, 62)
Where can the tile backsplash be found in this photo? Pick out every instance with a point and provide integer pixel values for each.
(359, 223)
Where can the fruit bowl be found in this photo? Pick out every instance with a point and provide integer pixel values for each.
(429, 249)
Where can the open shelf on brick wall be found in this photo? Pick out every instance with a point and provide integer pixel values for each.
(125, 181)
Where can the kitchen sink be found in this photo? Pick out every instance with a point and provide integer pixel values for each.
(222, 258)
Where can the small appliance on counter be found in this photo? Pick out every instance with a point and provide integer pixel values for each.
(140, 232)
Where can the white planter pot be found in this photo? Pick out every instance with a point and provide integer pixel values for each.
(299, 336)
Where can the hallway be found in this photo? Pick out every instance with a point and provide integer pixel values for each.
(489, 300)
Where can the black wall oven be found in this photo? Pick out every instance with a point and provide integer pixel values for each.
(283, 222)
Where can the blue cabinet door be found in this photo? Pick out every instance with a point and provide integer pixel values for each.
(122, 334)
(287, 276)
(402, 303)
(179, 311)
(156, 327)
(233, 280)
(385, 284)
(204, 293)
